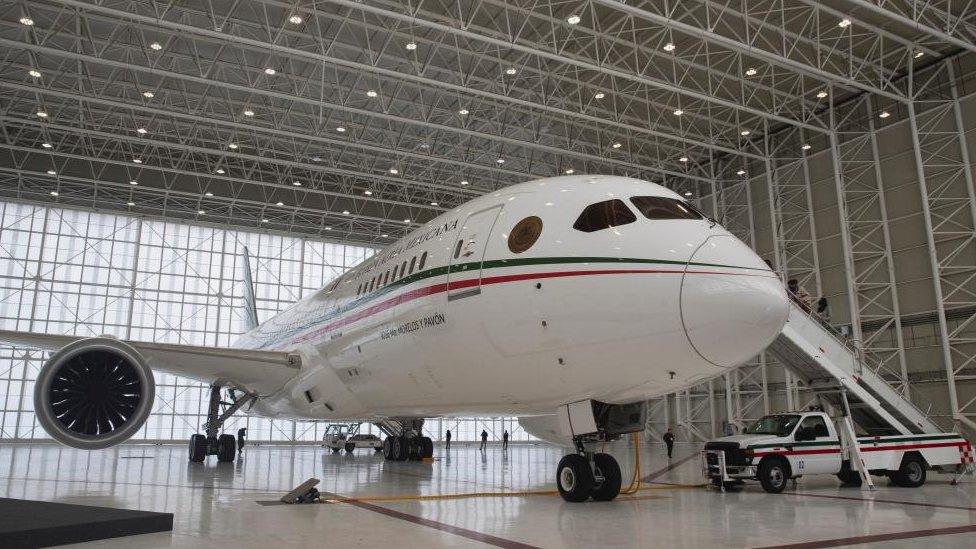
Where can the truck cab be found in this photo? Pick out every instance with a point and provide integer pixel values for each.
(792, 444)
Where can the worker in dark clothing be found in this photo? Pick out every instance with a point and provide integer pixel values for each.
(505, 441)
(484, 440)
(241, 433)
(447, 437)
(669, 441)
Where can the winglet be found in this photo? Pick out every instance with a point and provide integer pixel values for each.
(250, 305)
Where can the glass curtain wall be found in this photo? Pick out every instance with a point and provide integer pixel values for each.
(85, 273)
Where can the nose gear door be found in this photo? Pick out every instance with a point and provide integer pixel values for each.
(467, 256)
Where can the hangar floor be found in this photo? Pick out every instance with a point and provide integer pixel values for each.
(228, 505)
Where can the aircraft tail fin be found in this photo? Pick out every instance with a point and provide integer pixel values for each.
(250, 305)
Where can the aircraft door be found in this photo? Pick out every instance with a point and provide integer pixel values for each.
(468, 253)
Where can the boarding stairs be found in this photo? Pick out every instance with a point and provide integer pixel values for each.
(831, 367)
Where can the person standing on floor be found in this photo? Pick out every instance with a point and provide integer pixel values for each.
(505, 441)
(669, 441)
(241, 434)
(484, 440)
(447, 438)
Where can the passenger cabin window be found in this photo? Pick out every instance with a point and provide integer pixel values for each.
(423, 260)
(659, 207)
(386, 278)
(395, 267)
(413, 263)
(403, 269)
(603, 215)
(457, 249)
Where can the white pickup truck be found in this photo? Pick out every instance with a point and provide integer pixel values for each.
(780, 447)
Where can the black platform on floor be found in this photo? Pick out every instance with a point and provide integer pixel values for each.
(25, 523)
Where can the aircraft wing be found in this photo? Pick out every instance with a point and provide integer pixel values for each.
(260, 371)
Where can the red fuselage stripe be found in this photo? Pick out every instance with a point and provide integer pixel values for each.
(471, 282)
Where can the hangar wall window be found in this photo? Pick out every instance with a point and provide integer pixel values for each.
(660, 207)
(603, 215)
(156, 280)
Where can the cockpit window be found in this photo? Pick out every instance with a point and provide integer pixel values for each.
(603, 215)
(659, 207)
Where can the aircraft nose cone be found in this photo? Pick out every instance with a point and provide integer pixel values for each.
(730, 314)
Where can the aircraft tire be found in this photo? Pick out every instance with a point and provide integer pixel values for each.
(198, 448)
(610, 470)
(350, 447)
(388, 449)
(574, 478)
(400, 449)
(226, 448)
(426, 447)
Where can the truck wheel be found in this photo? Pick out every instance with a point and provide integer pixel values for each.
(847, 476)
(773, 474)
(911, 474)
(608, 468)
(350, 446)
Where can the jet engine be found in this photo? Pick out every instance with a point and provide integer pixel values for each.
(94, 393)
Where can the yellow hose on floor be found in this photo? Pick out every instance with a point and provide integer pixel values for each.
(635, 481)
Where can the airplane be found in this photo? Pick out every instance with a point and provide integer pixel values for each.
(565, 301)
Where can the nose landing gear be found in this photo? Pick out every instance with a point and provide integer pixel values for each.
(585, 475)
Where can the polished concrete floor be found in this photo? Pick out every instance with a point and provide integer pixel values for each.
(230, 505)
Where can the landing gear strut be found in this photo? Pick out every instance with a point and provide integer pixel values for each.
(404, 440)
(223, 446)
(585, 475)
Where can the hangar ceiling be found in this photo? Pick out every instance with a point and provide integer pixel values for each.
(361, 119)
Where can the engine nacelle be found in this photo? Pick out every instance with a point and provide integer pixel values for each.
(94, 393)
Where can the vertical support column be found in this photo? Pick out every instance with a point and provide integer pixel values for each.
(845, 234)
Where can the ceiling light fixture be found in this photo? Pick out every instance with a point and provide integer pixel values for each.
(46, 145)
(35, 73)
(744, 133)
(52, 172)
(433, 203)
(464, 182)
(201, 212)
(678, 112)
(406, 221)
(265, 220)
(740, 172)
(751, 71)
(806, 147)
(617, 145)
(368, 193)
(328, 228)
(500, 161)
(371, 93)
(394, 171)
(270, 72)
(573, 19)
(41, 114)
(570, 171)
(884, 114)
(669, 46)
(345, 212)
(133, 182)
(385, 235)
(27, 21)
(279, 203)
(683, 159)
(688, 193)
(208, 194)
(232, 145)
(248, 112)
(156, 46)
(148, 94)
(463, 111)
(221, 171)
(821, 94)
(137, 160)
(919, 54)
(511, 71)
(295, 20)
(296, 183)
(130, 203)
(599, 95)
(142, 131)
(340, 129)
(54, 193)
(844, 23)
(411, 46)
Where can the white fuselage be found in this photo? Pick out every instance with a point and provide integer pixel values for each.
(616, 315)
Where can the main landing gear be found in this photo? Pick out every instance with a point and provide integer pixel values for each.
(405, 441)
(585, 475)
(223, 446)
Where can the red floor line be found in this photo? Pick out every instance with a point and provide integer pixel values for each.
(878, 500)
(456, 530)
(838, 542)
